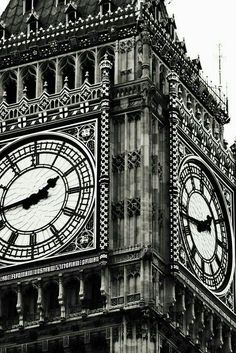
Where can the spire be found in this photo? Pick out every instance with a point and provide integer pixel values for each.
(220, 72)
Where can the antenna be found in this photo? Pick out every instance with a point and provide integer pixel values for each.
(220, 72)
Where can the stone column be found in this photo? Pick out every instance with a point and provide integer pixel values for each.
(117, 67)
(58, 83)
(61, 297)
(20, 88)
(19, 306)
(146, 54)
(40, 301)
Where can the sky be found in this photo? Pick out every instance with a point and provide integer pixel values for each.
(204, 24)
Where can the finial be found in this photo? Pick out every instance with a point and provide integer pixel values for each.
(4, 96)
(25, 91)
(86, 76)
(45, 86)
(66, 81)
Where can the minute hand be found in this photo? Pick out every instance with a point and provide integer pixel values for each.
(13, 205)
(34, 198)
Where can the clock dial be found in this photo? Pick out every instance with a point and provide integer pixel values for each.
(47, 192)
(205, 226)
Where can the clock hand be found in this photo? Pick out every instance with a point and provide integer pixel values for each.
(192, 219)
(34, 198)
(206, 225)
(202, 226)
(41, 194)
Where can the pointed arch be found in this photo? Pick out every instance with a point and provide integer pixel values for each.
(9, 85)
(28, 74)
(87, 67)
(48, 75)
(67, 70)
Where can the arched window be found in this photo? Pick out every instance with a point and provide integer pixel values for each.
(105, 7)
(93, 298)
(51, 303)
(88, 67)
(9, 85)
(71, 14)
(29, 81)
(72, 300)
(67, 70)
(9, 312)
(29, 297)
(48, 71)
(33, 23)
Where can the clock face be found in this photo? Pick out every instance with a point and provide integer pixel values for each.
(47, 192)
(205, 226)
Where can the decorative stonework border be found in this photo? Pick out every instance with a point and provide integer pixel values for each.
(173, 152)
(104, 178)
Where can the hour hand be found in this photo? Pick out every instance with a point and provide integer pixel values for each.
(191, 219)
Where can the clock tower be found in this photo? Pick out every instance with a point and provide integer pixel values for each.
(117, 188)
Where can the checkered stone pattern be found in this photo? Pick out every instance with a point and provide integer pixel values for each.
(174, 207)
(104, 157)
(174, 192)
(104, 181)
(105, 89)
(104, 216)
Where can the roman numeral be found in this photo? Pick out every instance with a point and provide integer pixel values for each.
(2, 224)
(218, 260)
(183, 209)
(193, 250)
(69, 171)
(213, 195)
(222, 244)
(13, 237)
(14, 166)
(203, 267)
(58, 153)
(35, 155)
(55, 232)
(201, 182)
(187, 231)
(68, 211)
(220, 219)
(76, 189)
(53, 229)
(191, 177)
(33, 239)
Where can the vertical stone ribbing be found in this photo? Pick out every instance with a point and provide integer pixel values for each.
(173, 191)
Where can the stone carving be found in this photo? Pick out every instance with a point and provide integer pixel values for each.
(118, 163)
(133, 207)
(134, 159)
